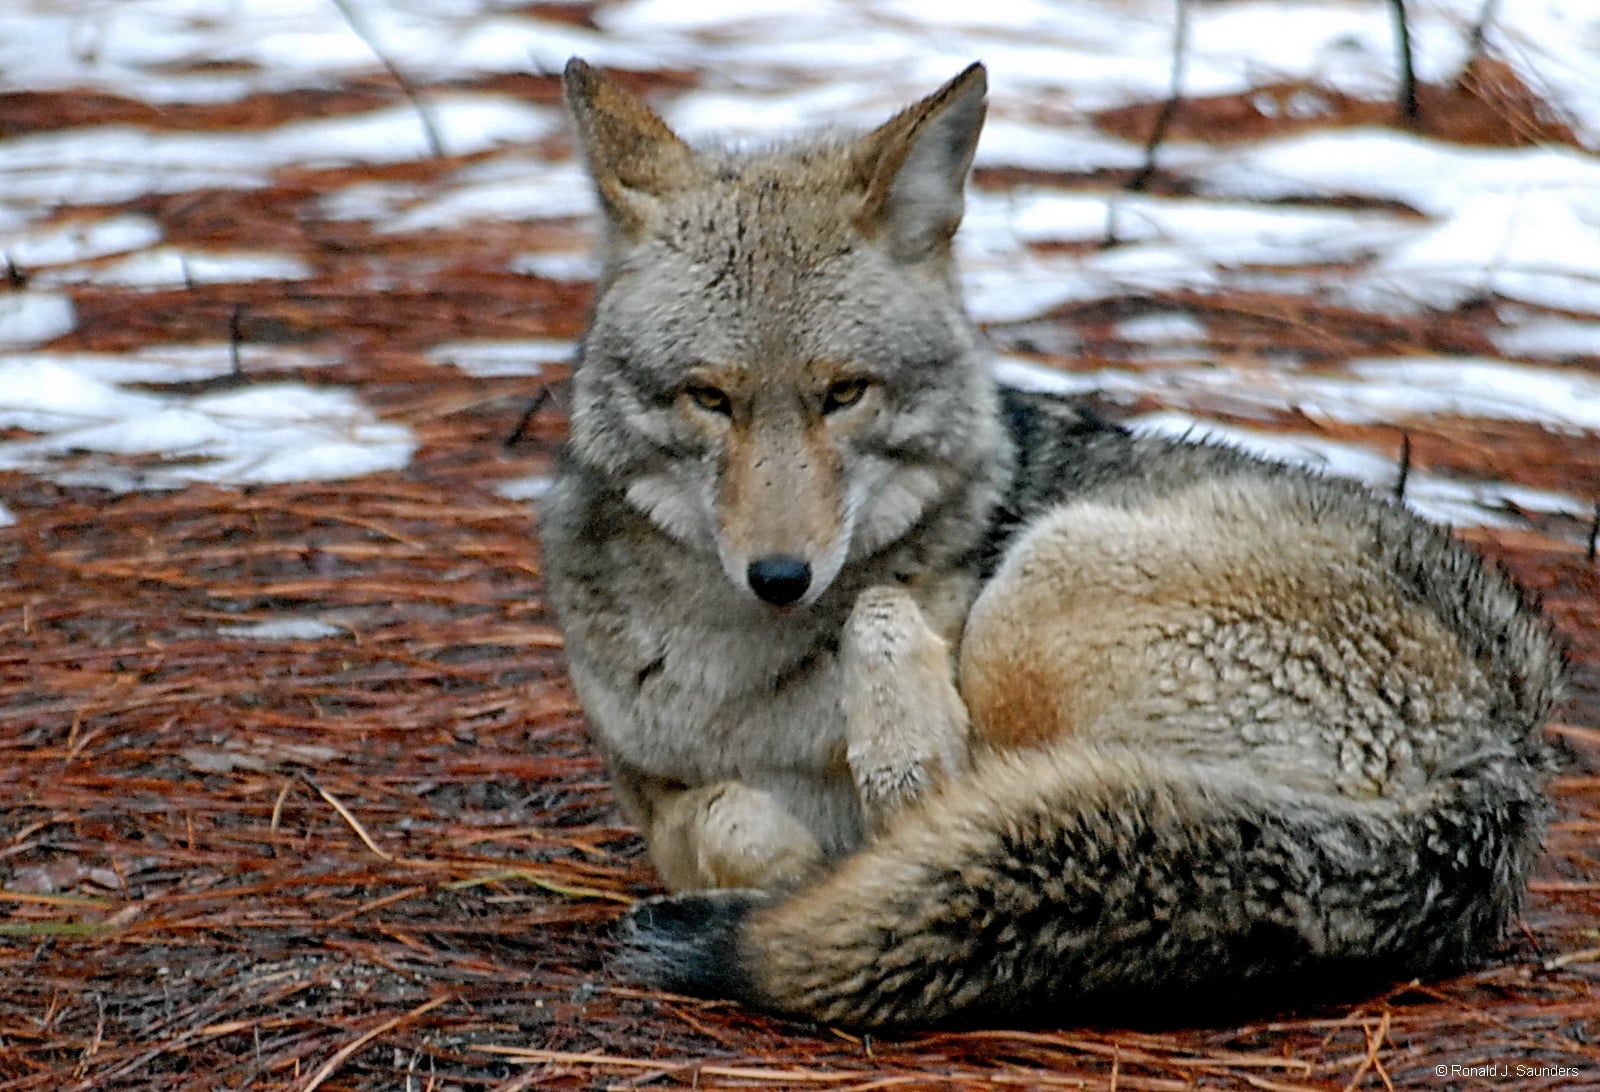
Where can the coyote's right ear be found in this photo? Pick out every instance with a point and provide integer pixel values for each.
(633, 157)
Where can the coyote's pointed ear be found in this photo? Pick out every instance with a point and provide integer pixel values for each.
(633, 157)
(916, 164)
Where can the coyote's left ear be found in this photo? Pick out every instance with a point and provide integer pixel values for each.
(633, 156)
(915, 166)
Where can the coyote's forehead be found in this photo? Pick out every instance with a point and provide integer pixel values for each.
(774, 229)
(763, 259)
(793, 207)
(725, 307)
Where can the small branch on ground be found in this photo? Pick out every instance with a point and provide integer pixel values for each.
(1404, 475)
(430, 130)
(534, 406)
(1410, 114)
(1164, 120)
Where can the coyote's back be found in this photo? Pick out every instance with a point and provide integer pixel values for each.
(1004, 712)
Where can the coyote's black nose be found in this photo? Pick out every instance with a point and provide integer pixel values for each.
(779, 580)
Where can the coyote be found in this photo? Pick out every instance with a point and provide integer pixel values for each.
(941, 703)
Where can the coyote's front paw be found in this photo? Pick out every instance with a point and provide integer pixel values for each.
(732, 835)
(905, 724)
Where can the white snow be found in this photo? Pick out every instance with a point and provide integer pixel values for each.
(1466, 387)
(1024, 374)
(525, 489)
(1018, 142)
(1380, 390)
(45, 396)
(33, 317)
(121, 162)
(487, 359)
(1550, 337)
(1212, 232)
(1163, 328)
(511, 187)
(164, 363)
(153, 49)
(265, 433)
(1095, 53)
(282, 629)
(78, 240)
(174, 267)
(1385, 164)
(1454, 502)
(557, 265)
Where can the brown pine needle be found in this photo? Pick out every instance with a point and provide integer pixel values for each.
(343, 1054)
(571, 891)
(354, 823)
(1375, 1040)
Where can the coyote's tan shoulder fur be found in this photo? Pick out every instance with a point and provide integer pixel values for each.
(978, 703)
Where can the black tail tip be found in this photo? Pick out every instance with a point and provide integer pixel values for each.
(691, 943)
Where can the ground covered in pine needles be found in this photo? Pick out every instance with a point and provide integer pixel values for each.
(378, 853)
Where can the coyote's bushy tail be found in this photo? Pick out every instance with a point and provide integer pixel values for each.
(1090, 881)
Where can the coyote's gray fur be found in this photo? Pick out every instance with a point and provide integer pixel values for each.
(993, 710)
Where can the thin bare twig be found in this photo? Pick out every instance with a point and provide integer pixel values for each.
(1163, 122)
(1404, 474)
(1169, 108)
(430, 128)
(1410, 113)
(535, 404)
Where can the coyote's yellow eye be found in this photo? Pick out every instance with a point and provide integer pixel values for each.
(843, 394)
(709, 398)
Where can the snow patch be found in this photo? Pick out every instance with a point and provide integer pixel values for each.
(1163, 328)
(32, 318)
(156, 364)
(118, 163)
(557, 266)
(176, 267)
(488, 359)
(269, 433)
(525, 489)
(1549, 337)
(282, 629)
(1453, 502)
(78, 240)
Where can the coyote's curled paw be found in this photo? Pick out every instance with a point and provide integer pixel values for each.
(905, 724)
